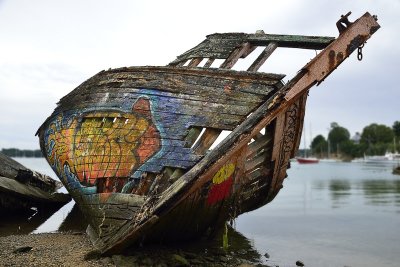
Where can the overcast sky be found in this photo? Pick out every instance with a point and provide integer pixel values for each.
(47, 48)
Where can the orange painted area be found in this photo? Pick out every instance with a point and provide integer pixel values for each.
(105, 144)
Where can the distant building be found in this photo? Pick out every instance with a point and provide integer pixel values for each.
(356, 138)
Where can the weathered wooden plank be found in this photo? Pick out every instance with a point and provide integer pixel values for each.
(291, 41)
(235, 103)
(169, 104)
(173, 78)
(206, 140)
(258, 145)
(221, 45)
(209, 62)
(256, 162)
(194, 62)
(117, 212)
(263, 57)
(31, 193)
(235, 55)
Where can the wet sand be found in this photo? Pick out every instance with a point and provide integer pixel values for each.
(75, 249)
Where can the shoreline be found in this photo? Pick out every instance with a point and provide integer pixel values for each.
(75, 249)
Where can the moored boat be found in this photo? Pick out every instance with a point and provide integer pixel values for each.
(308, 160)
(132, 145)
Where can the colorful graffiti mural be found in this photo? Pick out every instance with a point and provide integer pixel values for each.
(221, 184)
(102, 148)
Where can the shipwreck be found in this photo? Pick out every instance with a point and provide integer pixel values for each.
(22, 189)
(132, 145)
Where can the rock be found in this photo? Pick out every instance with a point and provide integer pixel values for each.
(22, 249)
(223, 259)
(208, 258)
(266, 255)
(190, 255)
(148, 262)
(299, 263)
(178, 260)
(93, 255)
(197, 262)
(77, 233)
(124, 261)
(242, 252)
(106, 261)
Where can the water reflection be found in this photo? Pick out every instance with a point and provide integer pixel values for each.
(24, 222)
(75, 221)
(375, 192)
(203, 252)
(382, 192)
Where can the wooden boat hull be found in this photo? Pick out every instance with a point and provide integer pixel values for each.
(132, 145)
(22, 189)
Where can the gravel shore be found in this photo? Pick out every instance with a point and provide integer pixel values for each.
(75, 249)
(50, 249)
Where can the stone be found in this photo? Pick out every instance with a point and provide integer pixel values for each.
(124, 261)
(299, 263)
(179, 260)
(22, 249)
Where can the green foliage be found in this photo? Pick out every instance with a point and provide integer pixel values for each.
(319, 146)
(351, 149)
(377, 138)
(337, 136)
(396, 129)
(377, 133)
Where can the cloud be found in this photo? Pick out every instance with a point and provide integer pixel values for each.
(48, 48)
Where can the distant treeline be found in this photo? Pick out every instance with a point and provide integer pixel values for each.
(375, 139)
(15, 152)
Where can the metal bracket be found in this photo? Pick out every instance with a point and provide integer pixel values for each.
(343, 23)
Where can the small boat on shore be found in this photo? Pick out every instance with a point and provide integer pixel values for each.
(22, 189)
(133, 145)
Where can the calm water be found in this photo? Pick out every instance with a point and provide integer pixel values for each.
(328, 214)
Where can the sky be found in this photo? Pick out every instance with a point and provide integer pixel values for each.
(47, 48)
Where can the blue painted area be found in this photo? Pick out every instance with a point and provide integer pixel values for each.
(74, 182)
(173, 127)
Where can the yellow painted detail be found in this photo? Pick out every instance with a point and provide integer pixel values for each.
(224, 173)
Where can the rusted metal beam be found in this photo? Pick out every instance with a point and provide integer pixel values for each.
(332, 56)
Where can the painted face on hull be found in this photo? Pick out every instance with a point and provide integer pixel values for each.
(103, 145)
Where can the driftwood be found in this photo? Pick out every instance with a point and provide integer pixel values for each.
(21, 188)
(133, 145)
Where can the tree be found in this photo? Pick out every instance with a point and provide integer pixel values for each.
(351, 150)
(377, 138)
(319, 146)
(396, 129)
(337, 135)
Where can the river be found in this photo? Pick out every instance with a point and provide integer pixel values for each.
(327, 214)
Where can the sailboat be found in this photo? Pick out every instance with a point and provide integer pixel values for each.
(305, 159)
